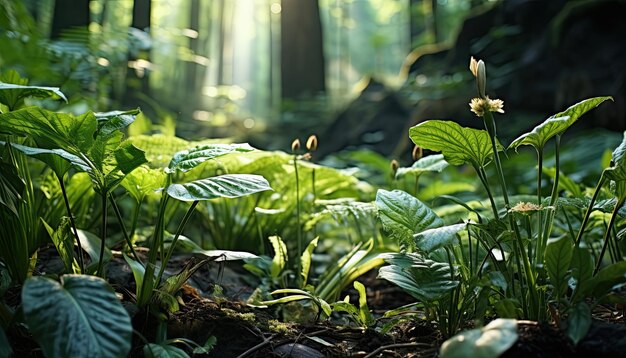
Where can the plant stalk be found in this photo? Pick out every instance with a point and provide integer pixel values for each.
(81, 262)
(607, 235)
(583, 225)
(104, 232)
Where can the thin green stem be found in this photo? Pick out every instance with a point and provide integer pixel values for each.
(483, 179)
(298, 228)
(490, 124)
(555, 185)
(583, 225)
(118, 214)
(179, 231)
(607, 235)
(103, 198)
(81, 262)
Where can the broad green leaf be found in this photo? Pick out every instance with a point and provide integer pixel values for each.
(424, 279)
(433, 239)
(143, 181)
(557, 123)
(109, 122)
(558, 259)
(617, 170)
(487, 342)
(78, 317)
(52, 130)
(507, 308)
(13, 90)
(431, 163)
(188, 159)
(578, 322)
(58, 160)
(280, 255)
(403, 215)
(305, 260)
(127, 158)
(63, 241)
(459, 145)
(152, 350)
(582, 271)
(602, 283)
(223, 186)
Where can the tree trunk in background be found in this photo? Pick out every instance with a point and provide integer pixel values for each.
(69, 14)
(137, 81)
(302, 53)
(192, 66)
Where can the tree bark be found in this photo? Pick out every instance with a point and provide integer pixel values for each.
(69, 14)
(302, 53)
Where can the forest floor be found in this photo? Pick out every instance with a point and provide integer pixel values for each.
(244, 331)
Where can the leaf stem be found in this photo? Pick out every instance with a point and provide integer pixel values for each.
(103, 198)
(298, 228)
(607, 235)
(179, 231)
(81, 262)
(129, 242)
(590, 209)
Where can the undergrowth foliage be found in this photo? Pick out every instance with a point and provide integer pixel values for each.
(468, 248)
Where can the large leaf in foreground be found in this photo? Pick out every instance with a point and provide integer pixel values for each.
(403, 215)
(79, 317)
(223, 186)
(52, 130)
(557, 123)
(459, 145)
(559, 254)
(188, 159)
(424, 279)
(486, 342)
(13, 90)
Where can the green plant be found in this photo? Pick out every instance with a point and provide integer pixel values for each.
(360, 314)
(78, 316)
(522, 256)
(486, 342)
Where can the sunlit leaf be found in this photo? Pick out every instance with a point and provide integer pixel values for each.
(431, 163)
(486, 342)
(459, 145)
(78, 317)
(223, 186)
(280, 255)
(305, 260)
(188, 159)
(433, 239)
(109, 122)
(51, 130)
(557, 123)
(403, 215)
(143, 181)
(58, 160)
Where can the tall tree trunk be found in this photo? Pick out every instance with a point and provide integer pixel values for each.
(69, 14)
(137, 80)
(302, 53)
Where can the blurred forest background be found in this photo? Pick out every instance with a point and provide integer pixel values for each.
(354, 72)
